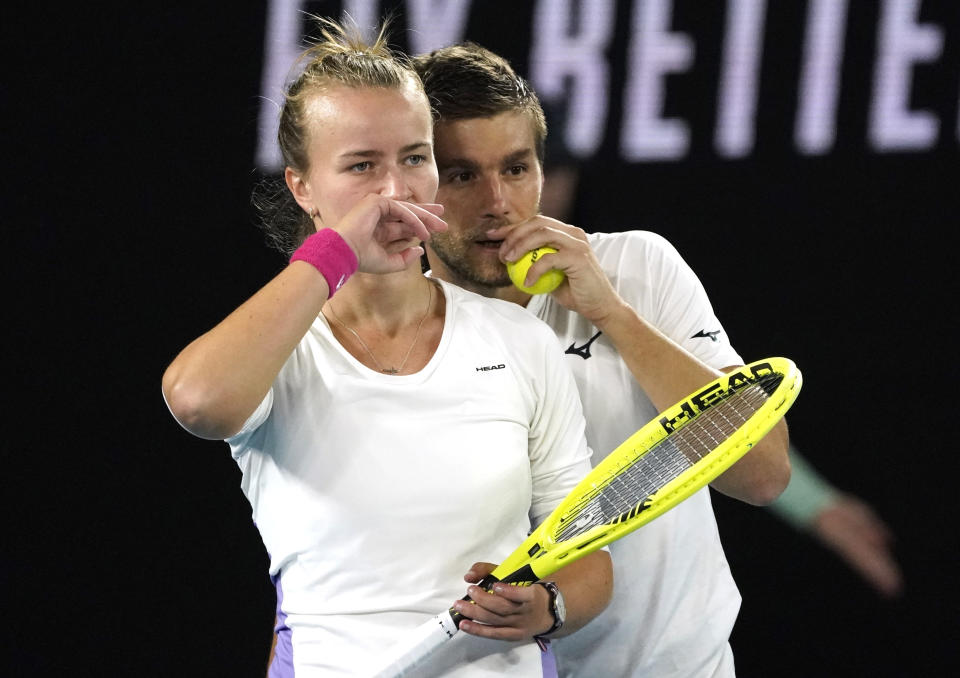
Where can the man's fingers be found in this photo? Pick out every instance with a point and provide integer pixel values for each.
(520, 238)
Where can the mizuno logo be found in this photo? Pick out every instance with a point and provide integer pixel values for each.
(490, 367)
(712, 336)
(583, 351)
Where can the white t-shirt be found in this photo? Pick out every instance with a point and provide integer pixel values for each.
(674, 600)
(374, 493)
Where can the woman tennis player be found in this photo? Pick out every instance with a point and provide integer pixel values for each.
(392, 430)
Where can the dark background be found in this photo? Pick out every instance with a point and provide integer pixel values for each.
(130, 140)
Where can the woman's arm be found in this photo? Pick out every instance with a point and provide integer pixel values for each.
(219, 379)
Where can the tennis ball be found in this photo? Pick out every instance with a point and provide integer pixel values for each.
(548, 282)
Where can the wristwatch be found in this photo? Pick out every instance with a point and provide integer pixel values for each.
(557, 607)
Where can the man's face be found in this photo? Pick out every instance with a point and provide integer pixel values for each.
(490, 177)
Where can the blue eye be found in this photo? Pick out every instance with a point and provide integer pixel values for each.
(417, 160)
(360, 166)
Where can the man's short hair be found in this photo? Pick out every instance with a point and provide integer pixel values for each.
(469, 81)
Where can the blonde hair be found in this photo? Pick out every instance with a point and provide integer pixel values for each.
(342, 57)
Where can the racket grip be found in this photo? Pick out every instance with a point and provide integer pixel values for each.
(486, 584)
(417, 647)
(424, 640)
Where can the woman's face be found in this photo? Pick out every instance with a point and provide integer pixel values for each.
(369, 140)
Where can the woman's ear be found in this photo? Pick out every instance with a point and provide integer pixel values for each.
(300, 189)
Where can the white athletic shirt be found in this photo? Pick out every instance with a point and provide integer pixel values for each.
(374, 493)
(674, 600)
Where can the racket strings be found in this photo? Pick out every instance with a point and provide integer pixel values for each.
(664, 461)
(716, 424)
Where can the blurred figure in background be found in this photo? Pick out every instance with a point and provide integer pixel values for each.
(842, 522)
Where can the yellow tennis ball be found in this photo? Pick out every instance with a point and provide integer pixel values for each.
(548, 282)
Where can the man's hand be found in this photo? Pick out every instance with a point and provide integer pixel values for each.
(587, 290)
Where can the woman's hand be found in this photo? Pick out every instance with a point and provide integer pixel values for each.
(385, 234)
(508, 613)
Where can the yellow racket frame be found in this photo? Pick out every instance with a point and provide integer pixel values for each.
(541, 554)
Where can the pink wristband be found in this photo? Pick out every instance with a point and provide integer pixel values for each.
(329, 253)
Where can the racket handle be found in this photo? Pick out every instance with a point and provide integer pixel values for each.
(424, 640)
(415, 648)
(486, 584)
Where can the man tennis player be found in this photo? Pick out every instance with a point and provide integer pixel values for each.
(640, 333)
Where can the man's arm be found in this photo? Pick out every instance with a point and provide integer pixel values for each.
(662, 368)
(667, 373)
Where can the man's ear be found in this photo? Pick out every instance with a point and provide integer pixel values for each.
(300, 189)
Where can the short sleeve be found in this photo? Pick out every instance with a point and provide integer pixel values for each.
(649, 273)
(240, 442)
(559, 454)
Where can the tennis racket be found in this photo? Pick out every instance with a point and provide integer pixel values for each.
(663, 463)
